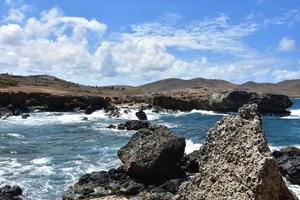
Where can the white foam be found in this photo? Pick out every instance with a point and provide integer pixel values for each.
(276, 148)
(207, 112)
(15, 135)
(190, 146)
(295, 114)
(41, 161)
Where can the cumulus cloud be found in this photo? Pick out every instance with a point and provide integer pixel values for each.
(286, 44)
(76, 48)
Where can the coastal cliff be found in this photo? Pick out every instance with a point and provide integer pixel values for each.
(229, 101)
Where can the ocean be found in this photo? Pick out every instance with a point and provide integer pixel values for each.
(49, 151)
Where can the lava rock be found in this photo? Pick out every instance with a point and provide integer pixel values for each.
(153, 154)
(133, 125)
(8, 192)
(288, 160)
(141, 115)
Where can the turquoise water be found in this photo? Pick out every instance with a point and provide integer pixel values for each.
(49, 151)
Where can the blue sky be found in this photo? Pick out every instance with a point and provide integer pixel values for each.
(135, 42)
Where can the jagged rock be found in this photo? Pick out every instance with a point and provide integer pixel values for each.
(8, 192)
(133, 125)
(112, 111)
(236, 163)
(141, 115)
(288, 160)
(152, 154)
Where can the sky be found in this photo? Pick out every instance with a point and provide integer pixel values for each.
(135, 42)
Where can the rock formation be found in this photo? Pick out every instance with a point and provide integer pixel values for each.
(141, 115)
(12, 103)
(8, 192)
(226, 102)
(152, 154)
(236, 163)
(289, 163)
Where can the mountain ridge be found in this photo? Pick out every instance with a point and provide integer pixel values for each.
(52, 84)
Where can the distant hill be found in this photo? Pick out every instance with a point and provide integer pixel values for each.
(289, 87)
(197, 86)
(179, 84)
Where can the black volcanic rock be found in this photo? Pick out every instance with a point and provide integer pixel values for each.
(133, 125)
(288, 160)
(141, 115)
(8, 192)
(18, 102)
(153, 154)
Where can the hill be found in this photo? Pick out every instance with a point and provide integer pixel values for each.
(197, 86)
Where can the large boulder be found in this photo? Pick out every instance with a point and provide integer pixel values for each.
(152, 154)
(288, 160)
(235, 163)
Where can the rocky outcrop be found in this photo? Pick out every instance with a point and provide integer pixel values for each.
(133, 125)
(8, 192)
(152, 154)
(112, 111)
(20, 102)
(154, 168)
(289, 163)
(226, 102)
(141, 115)
(236, 163)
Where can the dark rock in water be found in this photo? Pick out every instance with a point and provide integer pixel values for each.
(112, 111)
(10, 192)
(112, 126)
(141, 115)
(288, 160)
(235, 163)
(152, 154)
(22, 100)
(25, 116)
(89, 110)
(133, 125)
(85, 118)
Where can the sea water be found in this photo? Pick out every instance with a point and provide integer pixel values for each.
(49, 151)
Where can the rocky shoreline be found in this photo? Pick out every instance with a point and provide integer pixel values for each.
(12, 104)
(234, 163)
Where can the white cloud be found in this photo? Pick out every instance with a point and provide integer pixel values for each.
(75, 48)
(286, 44)
(283, 74)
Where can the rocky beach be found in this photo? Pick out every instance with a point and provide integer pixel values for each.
(152, 158)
